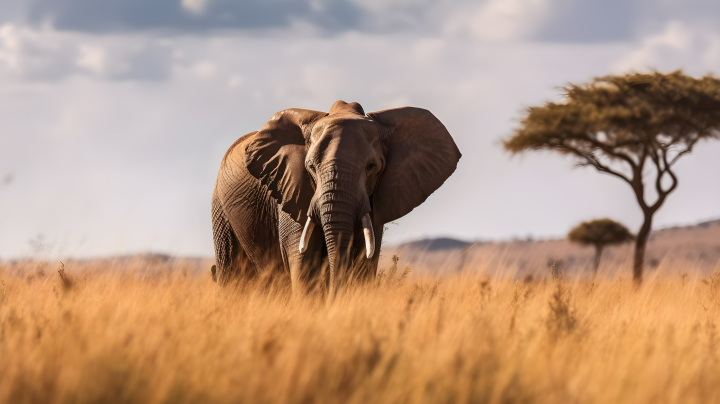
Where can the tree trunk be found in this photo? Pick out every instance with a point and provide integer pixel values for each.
(640, 246)
(598, 254)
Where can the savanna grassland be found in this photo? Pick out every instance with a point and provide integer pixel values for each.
(157, 333)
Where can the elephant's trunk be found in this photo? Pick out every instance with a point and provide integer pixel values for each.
(338, 207)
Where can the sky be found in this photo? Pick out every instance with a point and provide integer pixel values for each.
(115, 114)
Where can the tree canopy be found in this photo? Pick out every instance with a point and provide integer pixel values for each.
(625, 118)
(600, 232)
(618, 124)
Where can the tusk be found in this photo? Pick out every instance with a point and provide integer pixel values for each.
(369, 236)
(307, 231)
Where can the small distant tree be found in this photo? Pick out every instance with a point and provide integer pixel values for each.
(631, 127)
(599, 233)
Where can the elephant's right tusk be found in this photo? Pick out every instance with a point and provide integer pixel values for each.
(307, 231)
(369, 234)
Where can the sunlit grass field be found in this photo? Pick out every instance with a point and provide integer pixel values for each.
(157, 333)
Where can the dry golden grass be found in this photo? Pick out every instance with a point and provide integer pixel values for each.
(139, 335)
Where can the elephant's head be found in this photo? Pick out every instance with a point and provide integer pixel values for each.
(345, 170)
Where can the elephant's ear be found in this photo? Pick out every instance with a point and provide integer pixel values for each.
(276, 156)
(421, 155)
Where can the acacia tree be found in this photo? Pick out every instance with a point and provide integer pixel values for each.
(599, 233)
(632, 127)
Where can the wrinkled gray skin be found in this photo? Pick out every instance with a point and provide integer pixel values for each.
(334, 168)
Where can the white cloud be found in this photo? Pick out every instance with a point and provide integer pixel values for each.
(499, 20)
(9, 44)
(203, 69)
(92, 58)
(384, 6)
(33, 54)
(236, 81)
(195, 6)
(49, 55)
(695, 49)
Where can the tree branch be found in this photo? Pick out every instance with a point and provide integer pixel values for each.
(637, 183)
(671, 173)
(595, 163)
(663, 168)
(687, 150)
(609, 149)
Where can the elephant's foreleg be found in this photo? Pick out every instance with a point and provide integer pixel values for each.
(303, 266)
(364, 270)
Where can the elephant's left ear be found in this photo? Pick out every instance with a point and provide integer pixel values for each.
(276, 156)
(421, 155)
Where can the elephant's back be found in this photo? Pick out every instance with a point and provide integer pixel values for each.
(233, 174)
(234, 177)
(238, 147)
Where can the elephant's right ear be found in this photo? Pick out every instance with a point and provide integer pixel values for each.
(421, 155)
(276, 156)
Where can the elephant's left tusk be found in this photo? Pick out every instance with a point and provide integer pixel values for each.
(307, 231)
(369, 236)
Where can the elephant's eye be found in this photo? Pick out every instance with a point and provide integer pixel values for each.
(370, 167)
(311, 166)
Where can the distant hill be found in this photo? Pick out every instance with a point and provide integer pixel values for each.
(437, 244)
(678, 248)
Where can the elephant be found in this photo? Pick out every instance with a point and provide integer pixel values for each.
(343, 172)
